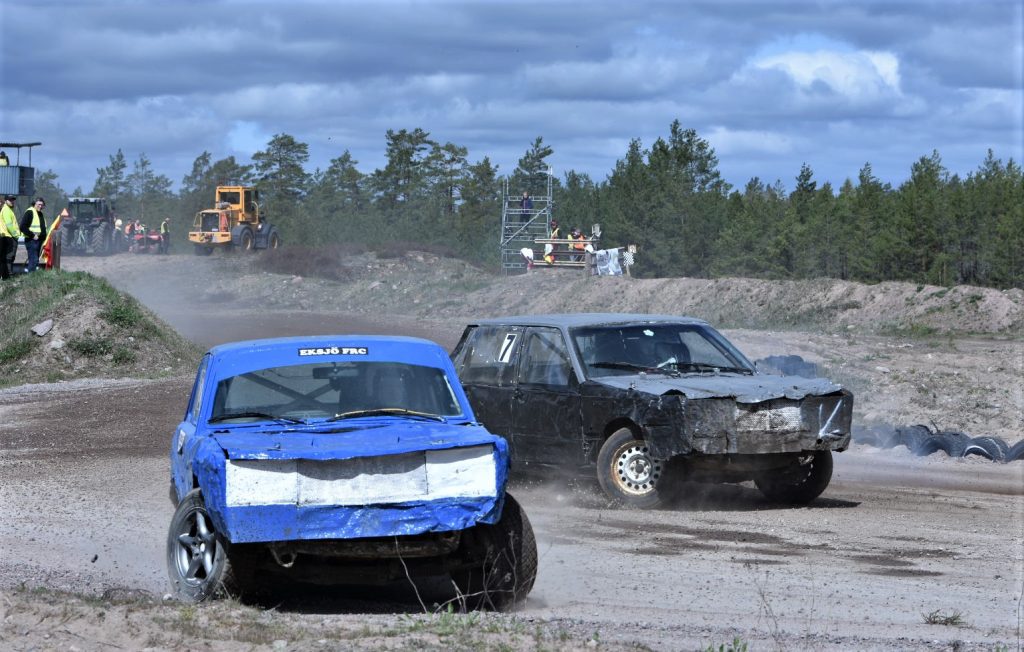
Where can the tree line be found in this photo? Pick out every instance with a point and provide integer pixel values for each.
(668, 199)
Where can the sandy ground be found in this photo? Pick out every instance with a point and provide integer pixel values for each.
(84, 508)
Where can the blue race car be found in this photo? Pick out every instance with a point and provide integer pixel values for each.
(340, 459)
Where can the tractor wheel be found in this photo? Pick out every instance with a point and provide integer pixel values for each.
(245, 240)
(273, 240)
(98, 240)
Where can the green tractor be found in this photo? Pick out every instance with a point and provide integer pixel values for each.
(89, 227)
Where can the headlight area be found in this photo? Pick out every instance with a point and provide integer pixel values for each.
(388, 495)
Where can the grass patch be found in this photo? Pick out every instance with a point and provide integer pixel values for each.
(17, 350)
(954, 619)
(913, 330)
(124, 313)
(123, 356)
(90, 346)
(737, 645)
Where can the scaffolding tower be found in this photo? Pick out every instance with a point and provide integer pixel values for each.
(523, 222)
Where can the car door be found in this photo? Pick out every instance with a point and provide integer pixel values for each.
(546, 420)
(486, 363)
(184, 435)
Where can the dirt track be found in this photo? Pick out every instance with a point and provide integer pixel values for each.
(85, 508)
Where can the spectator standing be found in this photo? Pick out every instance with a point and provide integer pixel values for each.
(165, 236)
(9, 234)
(4, 161)
(526, 205)
(550, 248)
(33, 227)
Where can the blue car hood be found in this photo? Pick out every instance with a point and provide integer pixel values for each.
(345, 440)
(744, 388)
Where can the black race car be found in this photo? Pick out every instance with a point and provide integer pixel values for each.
(650, 401)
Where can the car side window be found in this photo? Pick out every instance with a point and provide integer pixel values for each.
(489, 356)
(545, 359)
(197, 391)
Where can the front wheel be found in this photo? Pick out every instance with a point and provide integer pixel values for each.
(197, 555)
(504, 559)
(245, 240)
(628, 472)
(800, 483)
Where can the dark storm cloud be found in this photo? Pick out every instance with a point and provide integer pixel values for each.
(771, 85)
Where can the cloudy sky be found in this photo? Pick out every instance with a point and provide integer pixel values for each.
(771, 85)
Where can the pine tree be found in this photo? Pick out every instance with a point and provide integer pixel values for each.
(283, 182)
(110, 180)
(531, 175)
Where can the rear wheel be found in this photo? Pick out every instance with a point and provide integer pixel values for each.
(273, 240)
(506, 561)
(629, 473)
(800, 483)
(99, 240)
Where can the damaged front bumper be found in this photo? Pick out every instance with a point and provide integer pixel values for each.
(676, 425)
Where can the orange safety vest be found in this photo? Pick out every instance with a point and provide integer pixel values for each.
(581, 243)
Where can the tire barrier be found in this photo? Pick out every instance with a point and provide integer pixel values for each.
(919, 439)
(787, 365)
(922, 440)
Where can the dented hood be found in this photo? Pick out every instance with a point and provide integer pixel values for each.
(385, 437)
(744, 388)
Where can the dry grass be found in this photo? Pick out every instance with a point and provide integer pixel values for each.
(331, 261)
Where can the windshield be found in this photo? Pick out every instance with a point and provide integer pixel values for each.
(83, 211)
(617, 350)
(325, 390)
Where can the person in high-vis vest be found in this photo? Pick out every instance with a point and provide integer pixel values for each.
(9, 234)
(165, 236)
(550, 248)
(579, 246)
(33, 227)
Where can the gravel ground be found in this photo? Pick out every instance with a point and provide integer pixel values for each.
(896, 541)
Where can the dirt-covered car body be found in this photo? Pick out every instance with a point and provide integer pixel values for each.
(299, 450)
(670, 394)
(297, 475)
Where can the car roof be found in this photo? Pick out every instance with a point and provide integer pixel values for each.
(577, 319)
(289, 343)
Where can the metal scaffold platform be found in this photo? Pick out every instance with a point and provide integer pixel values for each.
(524, 222)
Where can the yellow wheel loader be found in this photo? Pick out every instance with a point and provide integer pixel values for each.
(234, 223)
